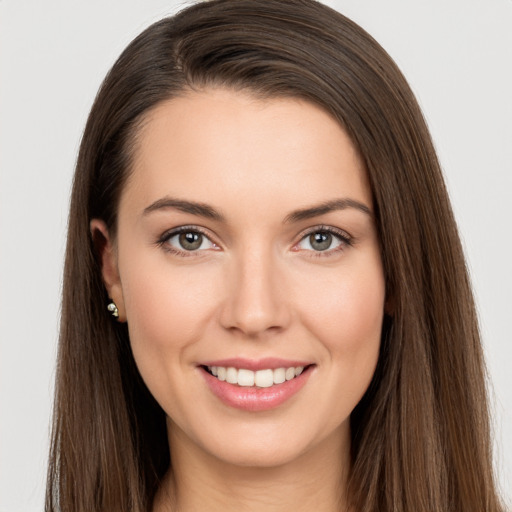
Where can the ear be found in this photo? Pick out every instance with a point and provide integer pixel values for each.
(106, 252)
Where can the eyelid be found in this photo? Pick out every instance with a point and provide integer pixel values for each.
(170, 233)
(345, 238)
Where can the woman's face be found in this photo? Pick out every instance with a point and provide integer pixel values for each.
(246, 248)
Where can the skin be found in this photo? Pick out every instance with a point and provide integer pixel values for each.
(256, 288)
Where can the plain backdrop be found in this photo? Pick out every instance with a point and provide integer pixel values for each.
(457, 55)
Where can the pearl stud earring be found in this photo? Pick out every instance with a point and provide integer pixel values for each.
(113, 309)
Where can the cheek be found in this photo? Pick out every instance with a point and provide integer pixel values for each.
(349, 325)
(167, 310)
(162, 298)
(345, 312)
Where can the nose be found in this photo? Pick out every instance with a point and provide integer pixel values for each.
(256, 302)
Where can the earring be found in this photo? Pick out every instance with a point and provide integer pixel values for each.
(113, 309)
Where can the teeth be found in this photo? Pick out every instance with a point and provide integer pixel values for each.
(279, 375)
(260, 378)
(245, 378)
(232, 375)
(264, 378)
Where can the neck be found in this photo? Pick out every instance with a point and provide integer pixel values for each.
(315, 480)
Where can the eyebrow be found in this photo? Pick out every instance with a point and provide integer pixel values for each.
(206, 211)
(328, 206)
(192, 207)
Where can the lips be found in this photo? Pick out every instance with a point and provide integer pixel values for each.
(255, 385)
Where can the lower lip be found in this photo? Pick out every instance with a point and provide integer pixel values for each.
(254, 398)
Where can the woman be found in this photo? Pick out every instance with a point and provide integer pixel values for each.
(265, 299)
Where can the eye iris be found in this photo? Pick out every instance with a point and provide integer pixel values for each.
(191, 241)
(320, 241)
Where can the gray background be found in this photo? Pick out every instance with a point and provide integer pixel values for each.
(457, 56)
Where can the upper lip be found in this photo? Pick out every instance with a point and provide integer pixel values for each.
(256, 364)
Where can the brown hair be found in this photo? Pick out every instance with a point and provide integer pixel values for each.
(420, 435)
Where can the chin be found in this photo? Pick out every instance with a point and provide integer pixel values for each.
(256, 445)
(263, 457)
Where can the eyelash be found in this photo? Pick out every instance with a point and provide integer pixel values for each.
(164, 239)
(343, 237)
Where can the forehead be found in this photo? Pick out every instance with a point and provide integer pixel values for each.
(219, 145)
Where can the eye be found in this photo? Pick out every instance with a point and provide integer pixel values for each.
(324, 240)
(186, 240)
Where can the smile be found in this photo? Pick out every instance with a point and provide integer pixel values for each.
(260, 378)
(256, 385)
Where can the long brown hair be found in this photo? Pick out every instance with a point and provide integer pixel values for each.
(420, 435)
